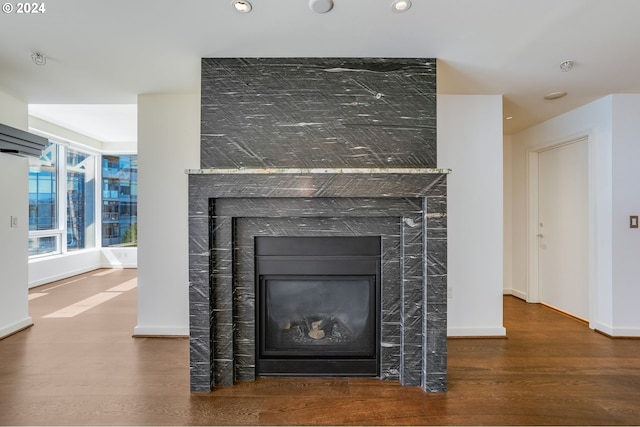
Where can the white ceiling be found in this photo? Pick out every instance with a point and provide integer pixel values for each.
(104, 122)
(108, 52)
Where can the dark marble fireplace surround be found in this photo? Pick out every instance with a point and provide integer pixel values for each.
(318, 147)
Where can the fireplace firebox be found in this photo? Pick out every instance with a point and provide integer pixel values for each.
(318, 305)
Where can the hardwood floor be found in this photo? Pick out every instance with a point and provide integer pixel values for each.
(88, 370)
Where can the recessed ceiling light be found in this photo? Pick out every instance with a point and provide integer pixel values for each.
(400, 5)
(555, 95)
(242, 6)
(321, 6)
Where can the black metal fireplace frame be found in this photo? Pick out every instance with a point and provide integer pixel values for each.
(318, 257)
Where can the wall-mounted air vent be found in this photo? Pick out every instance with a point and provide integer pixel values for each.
(20, 143)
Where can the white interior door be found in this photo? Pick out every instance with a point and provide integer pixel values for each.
(563, 273)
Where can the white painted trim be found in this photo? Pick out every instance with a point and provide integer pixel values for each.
(607, 329)
(160, 331)
(592, 224)
(15, 327)
(515, 292)
(626, 332)
(65, 275)
(49, 269)
(57, 267)
(618, 332)
(532, 227)
(476, 332)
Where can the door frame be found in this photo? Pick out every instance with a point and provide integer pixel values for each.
(533, 294)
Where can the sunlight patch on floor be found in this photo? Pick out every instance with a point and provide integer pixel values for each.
(84, 305)
(105, 272)
(91, 302)
(124, 287)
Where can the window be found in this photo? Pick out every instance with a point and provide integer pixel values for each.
(66, 192)
(61, 207)
(119, 200)
(80, 200)
(44, 236)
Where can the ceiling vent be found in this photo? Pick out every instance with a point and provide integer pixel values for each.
(20, 143)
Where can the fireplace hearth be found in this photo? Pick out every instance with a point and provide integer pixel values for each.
(318, 305)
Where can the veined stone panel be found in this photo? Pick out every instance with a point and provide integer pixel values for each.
(318, 112)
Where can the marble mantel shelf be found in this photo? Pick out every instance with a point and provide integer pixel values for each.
(265, 171)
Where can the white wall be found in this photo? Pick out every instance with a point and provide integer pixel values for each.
(626, 202)
(508, 221)
(14, 201)
(470, 142)
(168, 143)
(48, 269)
(593, 120)
(13, 112)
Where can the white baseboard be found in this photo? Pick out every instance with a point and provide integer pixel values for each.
(5, 331)
(626, 332)
(116, 257)
(618, 332)
(477, 332)
(515, 293)
(150, 331)
(57, 267)
(65, 275)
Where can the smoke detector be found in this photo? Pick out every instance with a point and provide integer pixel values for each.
(38, 58)
(566, 66)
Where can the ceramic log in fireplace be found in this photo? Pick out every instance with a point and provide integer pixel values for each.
(318, 305)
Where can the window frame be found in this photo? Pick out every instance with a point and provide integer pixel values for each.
(61, 229)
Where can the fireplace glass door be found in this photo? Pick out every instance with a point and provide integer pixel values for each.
(318, 305)
(318, 316)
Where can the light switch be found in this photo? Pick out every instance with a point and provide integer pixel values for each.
(14, 221)
(633, 221)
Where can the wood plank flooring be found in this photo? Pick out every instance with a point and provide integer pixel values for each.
(89, 370)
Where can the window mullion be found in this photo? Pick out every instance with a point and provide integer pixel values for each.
(62, 196)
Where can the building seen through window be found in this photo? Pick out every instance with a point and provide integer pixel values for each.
(119, 200)
(63, 205)
(43, 202)
(80, 200)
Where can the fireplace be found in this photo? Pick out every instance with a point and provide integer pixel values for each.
(406, 211)
(318, 305)
(318, 148)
